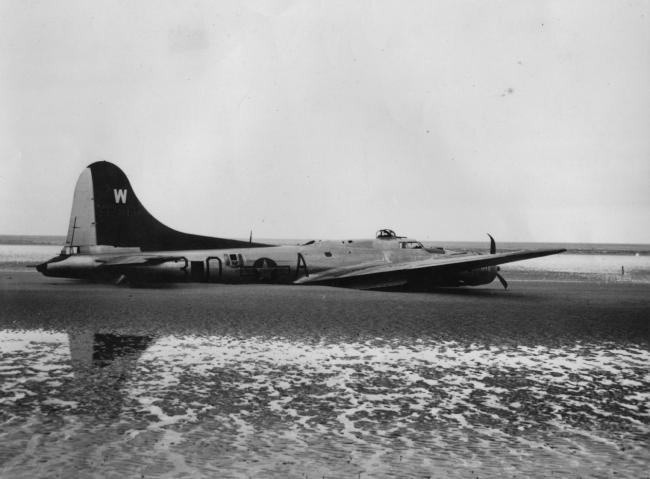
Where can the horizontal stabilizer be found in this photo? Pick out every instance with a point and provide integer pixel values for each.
(139, 260)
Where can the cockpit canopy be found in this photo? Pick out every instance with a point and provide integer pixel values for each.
(405, 243)
(386, 233)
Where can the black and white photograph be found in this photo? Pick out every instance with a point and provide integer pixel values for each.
(325, 239)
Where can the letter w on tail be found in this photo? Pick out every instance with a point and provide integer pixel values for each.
(120, 196)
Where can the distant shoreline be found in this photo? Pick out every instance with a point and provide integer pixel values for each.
(32, 239)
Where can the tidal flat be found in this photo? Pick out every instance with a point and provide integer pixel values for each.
(547, 379)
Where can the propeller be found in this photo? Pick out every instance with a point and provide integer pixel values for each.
(502, 279)
(493, 249)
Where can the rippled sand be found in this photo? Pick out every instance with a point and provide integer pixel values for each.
(295, 382)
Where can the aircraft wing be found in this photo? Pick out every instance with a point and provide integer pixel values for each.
(400, 272)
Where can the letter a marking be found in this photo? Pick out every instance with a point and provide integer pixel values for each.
(120, 196)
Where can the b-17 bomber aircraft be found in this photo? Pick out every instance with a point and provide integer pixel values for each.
(112, 237)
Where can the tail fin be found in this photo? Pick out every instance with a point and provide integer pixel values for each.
(106, 212)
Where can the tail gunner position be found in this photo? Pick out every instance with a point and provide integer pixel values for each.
(113, 237)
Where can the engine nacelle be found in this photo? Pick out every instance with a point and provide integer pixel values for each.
(474, 277)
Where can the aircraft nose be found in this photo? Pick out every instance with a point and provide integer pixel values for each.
(41, 268)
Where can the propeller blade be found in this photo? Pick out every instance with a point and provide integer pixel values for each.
(503, 281)
(493, 245)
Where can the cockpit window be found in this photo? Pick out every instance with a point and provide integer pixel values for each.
(411, 245)
(70, 250)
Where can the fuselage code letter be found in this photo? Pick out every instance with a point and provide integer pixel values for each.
(120, 196)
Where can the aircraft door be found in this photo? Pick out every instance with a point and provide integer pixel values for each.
(214, 269)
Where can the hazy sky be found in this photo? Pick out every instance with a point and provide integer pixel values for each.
(441, 119)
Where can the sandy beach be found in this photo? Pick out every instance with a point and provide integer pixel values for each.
(547, 379)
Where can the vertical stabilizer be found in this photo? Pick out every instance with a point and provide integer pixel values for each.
(82, 231)
(107, 212)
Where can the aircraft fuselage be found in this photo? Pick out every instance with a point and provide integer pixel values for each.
(276, 264)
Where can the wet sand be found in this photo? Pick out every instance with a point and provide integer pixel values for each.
(547, 379)
(530, 312)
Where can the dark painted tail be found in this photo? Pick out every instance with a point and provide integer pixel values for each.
(106, 212)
